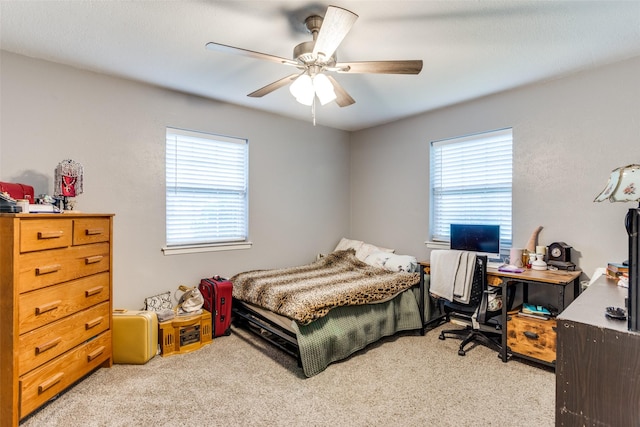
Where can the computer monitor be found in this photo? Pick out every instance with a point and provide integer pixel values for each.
(481, 238)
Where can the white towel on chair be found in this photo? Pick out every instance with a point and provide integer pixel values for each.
(452, 274)
(464, 277)
(444, 268)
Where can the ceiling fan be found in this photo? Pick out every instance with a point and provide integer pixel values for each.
(316, 57)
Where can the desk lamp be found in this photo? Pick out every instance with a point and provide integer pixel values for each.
(624, 186)
(68, 182)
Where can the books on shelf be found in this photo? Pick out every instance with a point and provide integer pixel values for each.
(534, 316)
(535, 311)
(615, 270)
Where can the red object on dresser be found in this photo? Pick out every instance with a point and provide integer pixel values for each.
(18, 191)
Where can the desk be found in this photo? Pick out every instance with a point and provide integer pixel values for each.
(560, 280)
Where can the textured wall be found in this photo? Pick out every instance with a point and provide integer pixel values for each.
(299, 197)
(569, 133)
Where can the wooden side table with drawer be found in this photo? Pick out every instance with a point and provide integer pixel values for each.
(55, 305)
(534, 338)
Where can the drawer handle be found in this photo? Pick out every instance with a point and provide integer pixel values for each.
(93, 231)
(531, 335)
(50, 382)
(93, 323)
(93, 259)
(48, 346)
(48, 307)
(43, 235)
(95, 353)
(93, 291)
(47, 269)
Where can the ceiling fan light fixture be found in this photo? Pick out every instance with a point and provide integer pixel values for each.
(324, 89)
(302, 89)
(315, 57)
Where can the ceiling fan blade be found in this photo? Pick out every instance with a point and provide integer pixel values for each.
(217, 47)
(336, 24)
(343, 99)
(273, 86)
(380, 67)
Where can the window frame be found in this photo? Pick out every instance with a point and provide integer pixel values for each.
(440, 239)
(204, 188)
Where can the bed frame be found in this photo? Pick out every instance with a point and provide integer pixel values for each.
(285, 340)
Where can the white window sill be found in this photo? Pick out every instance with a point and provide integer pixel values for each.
(437, 245)
(191, 249)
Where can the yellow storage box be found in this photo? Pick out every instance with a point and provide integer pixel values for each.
(135, 336)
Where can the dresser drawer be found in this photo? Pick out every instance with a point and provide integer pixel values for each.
(46, 305)
(40, 269)
(40, 234)
(91, 230)
(42, 384)
(45, 343)
(532, 337)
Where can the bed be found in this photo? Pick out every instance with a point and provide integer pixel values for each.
(327, 310)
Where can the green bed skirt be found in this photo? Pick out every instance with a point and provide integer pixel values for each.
(345, 330)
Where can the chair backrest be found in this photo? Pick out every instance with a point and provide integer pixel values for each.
(479, 284)
(482, 303)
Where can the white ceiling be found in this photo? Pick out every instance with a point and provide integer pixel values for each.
(469, 48)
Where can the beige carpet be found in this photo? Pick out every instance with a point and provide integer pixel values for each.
(406, 380)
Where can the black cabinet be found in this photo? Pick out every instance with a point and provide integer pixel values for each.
(598, 362)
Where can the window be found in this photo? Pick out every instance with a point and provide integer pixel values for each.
(206, 192)
(471, 184)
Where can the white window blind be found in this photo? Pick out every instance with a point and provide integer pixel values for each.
(207, 188)
(471, 183)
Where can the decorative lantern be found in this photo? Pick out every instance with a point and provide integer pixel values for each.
(68, 182)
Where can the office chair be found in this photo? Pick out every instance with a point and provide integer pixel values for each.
(486, 329)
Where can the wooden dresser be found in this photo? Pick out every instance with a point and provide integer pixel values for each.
(55, 305)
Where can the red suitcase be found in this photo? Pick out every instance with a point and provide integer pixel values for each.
(217, 300)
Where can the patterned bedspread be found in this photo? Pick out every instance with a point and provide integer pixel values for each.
(306, 293)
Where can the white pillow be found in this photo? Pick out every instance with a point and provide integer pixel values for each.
(367, 249)
(405, 263)
(345, 244)
(377, 259)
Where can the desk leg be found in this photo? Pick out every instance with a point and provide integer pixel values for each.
(503, 337)
(421, 303)
(576, 288)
